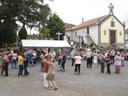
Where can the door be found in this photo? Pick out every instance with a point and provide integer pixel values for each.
(112, 37)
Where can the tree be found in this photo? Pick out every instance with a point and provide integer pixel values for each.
(23, 33)
(55, 24)
(29, 13)
(45, 32)
(8, 32)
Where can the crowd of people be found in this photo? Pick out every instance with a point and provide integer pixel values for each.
(21, 60)
(17, 60)
(52, 60)
(99, 58)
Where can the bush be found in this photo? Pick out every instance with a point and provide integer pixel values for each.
(93, 43)
(23, 33)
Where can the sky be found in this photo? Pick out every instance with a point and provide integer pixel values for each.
(72, 11)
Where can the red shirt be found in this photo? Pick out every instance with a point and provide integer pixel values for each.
(123, 55)
(45, 70)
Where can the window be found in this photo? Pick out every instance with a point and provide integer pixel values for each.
(87, 30)
(104, 32)
(112, 24)
(68, 38)
(75, 34)
(120, 33)
(82, 38)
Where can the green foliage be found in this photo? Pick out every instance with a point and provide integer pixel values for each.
(45, 31)
(55, 24)
(29, 13)
(8, 31)
(93, 43)
(23, 33)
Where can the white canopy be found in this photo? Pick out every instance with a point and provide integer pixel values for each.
(45, 44)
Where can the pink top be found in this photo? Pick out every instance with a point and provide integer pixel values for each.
(77, 59)
(118, 60)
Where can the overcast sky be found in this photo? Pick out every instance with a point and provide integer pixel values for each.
(72, 11)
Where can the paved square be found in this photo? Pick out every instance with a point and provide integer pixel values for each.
(90, 83)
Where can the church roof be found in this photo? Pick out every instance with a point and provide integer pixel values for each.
(126, 31)
(89, 22)
(69, 25)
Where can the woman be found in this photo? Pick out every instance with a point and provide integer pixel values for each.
(123, 57)
(60, 56)
(45, 72)
(77, 59)
(102, 62)
(51, 73)
(95, 59)
(20, 63)
(14, 60)
(5, 63)
(1, 64)
(108, 63)
(118, 64)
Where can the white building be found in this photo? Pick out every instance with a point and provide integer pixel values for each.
(126, 34)
(104, 31)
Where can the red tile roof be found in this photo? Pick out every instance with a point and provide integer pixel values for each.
(89, 22)
(69, 26)
(126, 31)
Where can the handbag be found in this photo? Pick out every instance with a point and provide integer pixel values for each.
(109, 62)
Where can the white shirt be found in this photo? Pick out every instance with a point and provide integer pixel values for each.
(118, 60)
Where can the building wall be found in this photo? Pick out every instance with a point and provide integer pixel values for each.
(106, 27)
(126, 36)
(93, 32)
(74, 35)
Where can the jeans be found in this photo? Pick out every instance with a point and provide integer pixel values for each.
(14, 63)
(20, 70)
(108, 68)
(122, 62)
(34, 61)
(30, 61)
(6, 68)
(63, 65)
(42, 66)
(25, 70)
(89, 62)
(73, 61)
(59, 62)
(102, 67)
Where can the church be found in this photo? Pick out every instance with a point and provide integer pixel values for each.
(103, 31)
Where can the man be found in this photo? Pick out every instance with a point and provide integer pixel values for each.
(30, 58)
(63, 61)
(72, 57)
(89, 58)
